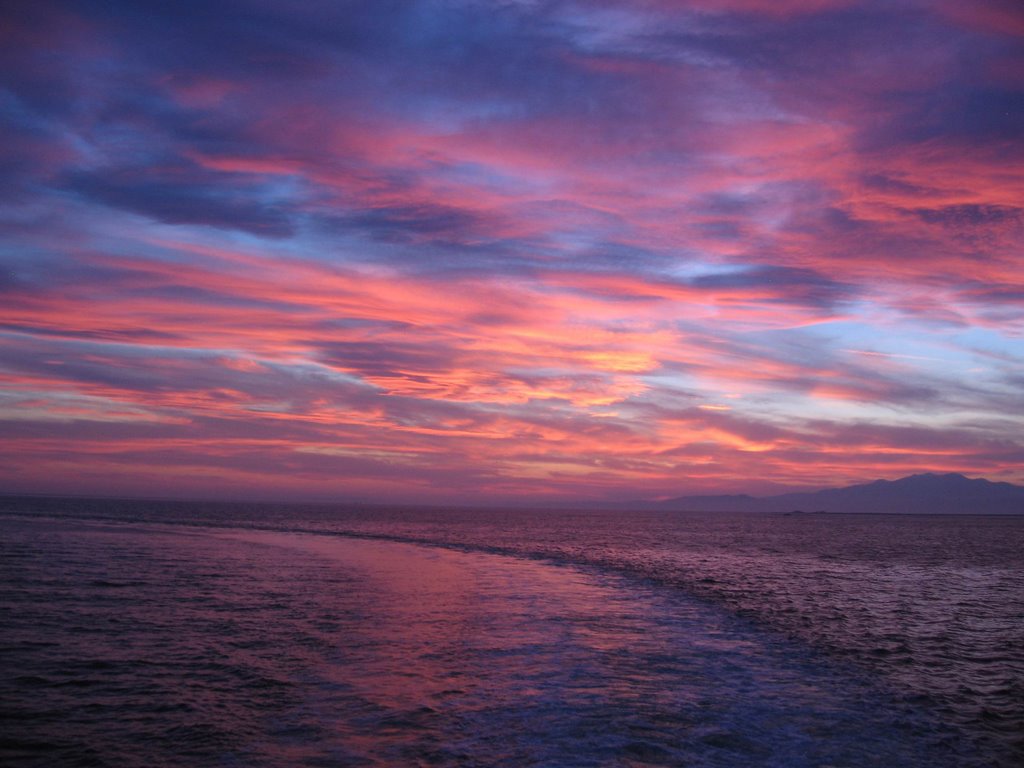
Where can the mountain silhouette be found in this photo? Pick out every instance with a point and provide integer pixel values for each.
(917, 494)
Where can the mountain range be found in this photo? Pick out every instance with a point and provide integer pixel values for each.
(917, 494)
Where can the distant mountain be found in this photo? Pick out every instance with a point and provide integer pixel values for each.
(917, 494)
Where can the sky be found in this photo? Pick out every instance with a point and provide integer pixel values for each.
(509, 251)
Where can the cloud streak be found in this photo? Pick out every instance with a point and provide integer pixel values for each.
(568, 250)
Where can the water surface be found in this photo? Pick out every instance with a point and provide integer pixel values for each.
(259, 635)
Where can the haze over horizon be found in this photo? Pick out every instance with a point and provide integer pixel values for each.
(484, 251)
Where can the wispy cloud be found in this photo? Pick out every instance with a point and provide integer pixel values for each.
(436, 250)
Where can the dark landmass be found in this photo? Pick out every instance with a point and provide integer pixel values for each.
(917, 494)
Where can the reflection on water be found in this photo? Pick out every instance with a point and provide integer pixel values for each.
(150, 645)
(933, 605)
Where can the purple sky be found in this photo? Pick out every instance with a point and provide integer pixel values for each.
(509, 250)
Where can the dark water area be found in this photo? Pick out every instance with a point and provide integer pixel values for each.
(160, 633)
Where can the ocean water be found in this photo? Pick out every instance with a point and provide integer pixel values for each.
(151, 634)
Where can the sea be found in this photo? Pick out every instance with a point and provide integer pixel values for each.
(141, 633)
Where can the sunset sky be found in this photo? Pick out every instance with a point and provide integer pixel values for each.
(509, 250)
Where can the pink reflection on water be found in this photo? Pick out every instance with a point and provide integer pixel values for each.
(430, 606)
